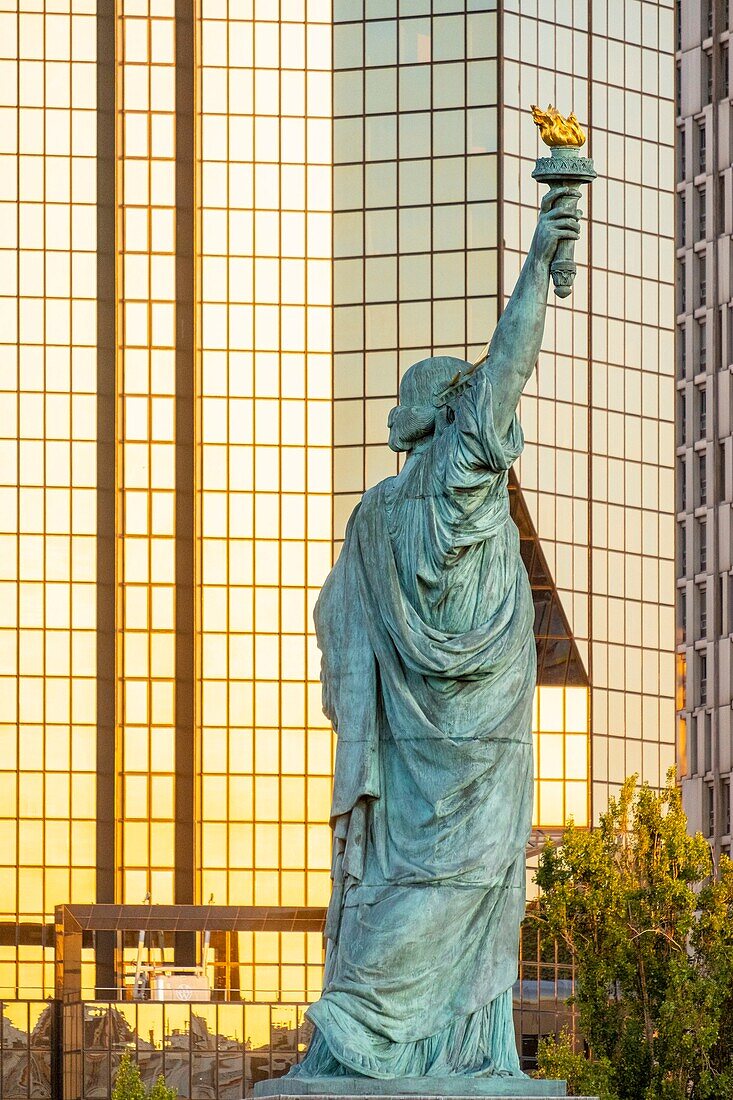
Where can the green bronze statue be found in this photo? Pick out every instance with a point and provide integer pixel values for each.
(428, 671)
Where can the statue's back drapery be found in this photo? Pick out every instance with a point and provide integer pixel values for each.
(425, 626)
(428, 670)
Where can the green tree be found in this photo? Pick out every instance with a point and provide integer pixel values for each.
(651, 933)
(161, 1091)
(129, 1084)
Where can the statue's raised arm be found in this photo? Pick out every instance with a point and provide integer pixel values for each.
(516, 342)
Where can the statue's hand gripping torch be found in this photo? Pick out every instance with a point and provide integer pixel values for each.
(564, 167)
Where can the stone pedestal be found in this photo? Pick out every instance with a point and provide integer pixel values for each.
(420, 1088)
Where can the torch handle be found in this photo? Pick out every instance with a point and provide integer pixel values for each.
(563, 268)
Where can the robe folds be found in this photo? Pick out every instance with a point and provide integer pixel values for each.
(428, 671)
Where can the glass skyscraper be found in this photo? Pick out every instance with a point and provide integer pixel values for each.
(226, 228)
(434, 208)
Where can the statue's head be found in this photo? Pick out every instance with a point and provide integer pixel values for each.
(416, 417)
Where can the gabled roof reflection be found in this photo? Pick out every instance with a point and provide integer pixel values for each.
(558, 660)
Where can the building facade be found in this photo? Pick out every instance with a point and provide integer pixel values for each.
(704, 582)
(226, 228)
(429, 272)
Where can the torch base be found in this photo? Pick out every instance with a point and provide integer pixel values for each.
(567, 168)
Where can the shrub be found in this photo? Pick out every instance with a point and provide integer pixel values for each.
(129, 1084)
(557, 1059)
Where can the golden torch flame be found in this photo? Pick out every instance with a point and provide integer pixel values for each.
(556, 130)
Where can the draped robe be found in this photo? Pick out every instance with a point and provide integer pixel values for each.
(428, 671)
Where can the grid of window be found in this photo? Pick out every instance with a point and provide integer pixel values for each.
(560, 733)
(541, 992)
(553, 410)
(415, 214)
(560, 725)
(27, 1063)
(415, 269)
(416, 266)
(264, 456)
(267, 966)
(704, 337)
(218, 1050)
(611, 558)
(47, 473)
(146, 463)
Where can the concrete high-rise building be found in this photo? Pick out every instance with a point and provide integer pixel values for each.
(704, 392)
(225, 228)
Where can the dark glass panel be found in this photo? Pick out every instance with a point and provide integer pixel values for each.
(542, 611)
(203, 1076)
(151, 1066)
(258, 1067)
(558, 626)
(96, 1075)
(553, 658)
(231, 1077)
(178, 1073)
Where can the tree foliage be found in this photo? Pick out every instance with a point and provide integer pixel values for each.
(129, 1084)
(161, 1091)
(559, 1061)
(650, 930)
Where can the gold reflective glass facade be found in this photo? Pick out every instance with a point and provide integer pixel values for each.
(145, 490)
(305, 199)
(560, 732)
(47, 473)
(264, 472)
(597, 475)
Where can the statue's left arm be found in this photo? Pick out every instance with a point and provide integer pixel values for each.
(516, 343)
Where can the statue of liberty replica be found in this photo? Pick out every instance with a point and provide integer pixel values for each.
(428, 671)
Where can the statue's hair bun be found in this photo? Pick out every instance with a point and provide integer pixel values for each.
(408, 424)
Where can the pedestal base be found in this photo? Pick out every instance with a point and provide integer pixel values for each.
(465, 1088)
